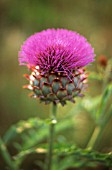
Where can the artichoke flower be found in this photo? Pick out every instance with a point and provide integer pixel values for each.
(56, 58)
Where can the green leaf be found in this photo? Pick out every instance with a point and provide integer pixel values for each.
(77, 157)
(20, 128)
(70, 156)
(104, 101)
(98, 103)
(7, 157)
(32, 131)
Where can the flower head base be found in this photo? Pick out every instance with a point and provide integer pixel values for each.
(56, 58)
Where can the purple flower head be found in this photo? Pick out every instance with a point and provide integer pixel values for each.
(56, 50)
(55, 58)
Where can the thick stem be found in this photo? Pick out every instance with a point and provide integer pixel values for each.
(51, 136)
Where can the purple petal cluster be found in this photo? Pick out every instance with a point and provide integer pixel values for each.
(57, 50)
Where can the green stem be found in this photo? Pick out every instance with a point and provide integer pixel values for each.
(98, 131)
(7, 156)
(93, 137)
(51, 137)
(103, 125)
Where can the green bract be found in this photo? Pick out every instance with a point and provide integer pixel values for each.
(56, 87)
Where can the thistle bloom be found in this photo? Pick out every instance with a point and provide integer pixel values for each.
(56, 58)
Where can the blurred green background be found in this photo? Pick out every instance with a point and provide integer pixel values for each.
(21, 18)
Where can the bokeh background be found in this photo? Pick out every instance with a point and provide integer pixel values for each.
(21, 18)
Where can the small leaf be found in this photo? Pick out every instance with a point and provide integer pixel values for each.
(104, 100)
